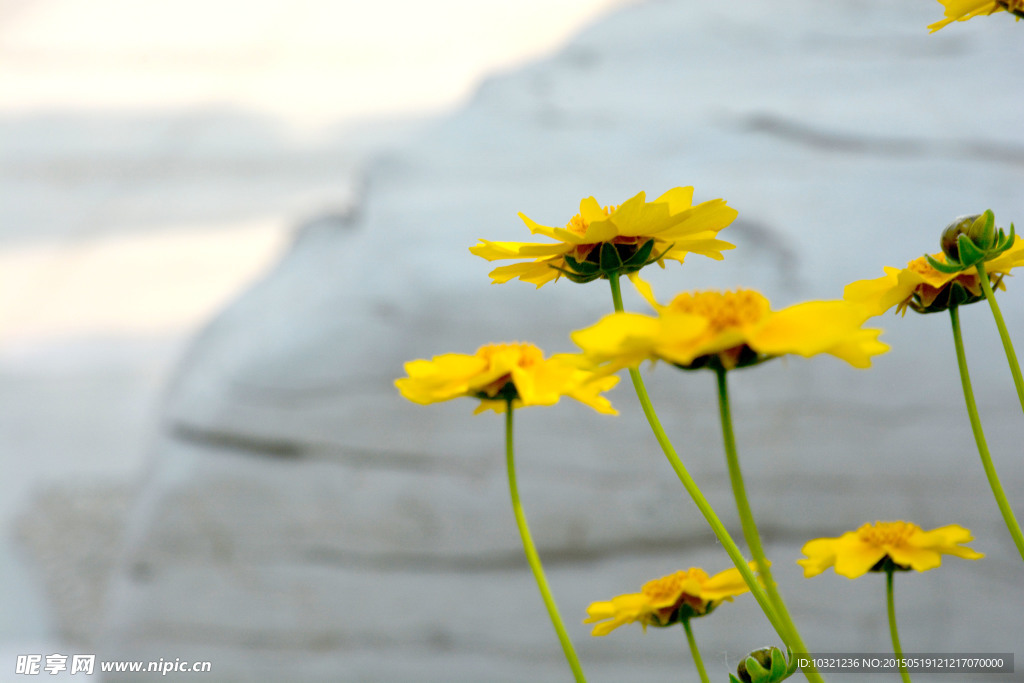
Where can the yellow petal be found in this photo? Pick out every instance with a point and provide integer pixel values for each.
(635, 218)
(1009, 259)
(618, 335)
(621, 610)
(725, 584)
(440, 379)
(535, 272)
(643, 288)
(948, 540)
(710, 216)
(591, 211)
(678, 199)
(854, 557)
(821, 554)
(817, 327)
(538, 229)
(493, 251)
(918, 559)
(711, 248)
(859, 349)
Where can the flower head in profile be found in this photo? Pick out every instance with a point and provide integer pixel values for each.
(497, 373)
(666, 601)
(906, 545)
(962, 10)
(601, 241)
(924, 289)
(731, 329)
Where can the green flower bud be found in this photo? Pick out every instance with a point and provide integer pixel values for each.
(970, 240)
(971, 226)
(767, 665)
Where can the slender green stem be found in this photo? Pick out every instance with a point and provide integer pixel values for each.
(750, 532)
(697, 661)
(1004, 335)
(891, 606)
(531, 553)
(698, 497)
(979, 437)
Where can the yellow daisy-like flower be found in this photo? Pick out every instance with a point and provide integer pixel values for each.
(962, 10)
(662, 602)
(735, 328)
(497, 372)
(920, 287)
(639, 232)
(907, 545)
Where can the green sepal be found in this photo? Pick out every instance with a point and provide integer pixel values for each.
(1004, 241)
(640, 258)
(947, 268)
(767, 665)
(970, 254)
(610, 259)
(576, 277)
(748, 357)
(793, 663)
(581, 267)
(952, 295)
(986, 233)
(507, 392)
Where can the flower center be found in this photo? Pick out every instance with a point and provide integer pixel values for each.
(579, 225)
(528, 354)
(887, 533)
(669, 588)
(723, 310)
(922, 267)
(1014, 6)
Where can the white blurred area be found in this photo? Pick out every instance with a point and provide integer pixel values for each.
(154, 159)
(307, 66)
(306, 62)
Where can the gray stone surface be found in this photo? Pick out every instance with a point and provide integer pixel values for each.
(301, 520)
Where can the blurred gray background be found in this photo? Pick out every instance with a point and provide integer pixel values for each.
(227, 225)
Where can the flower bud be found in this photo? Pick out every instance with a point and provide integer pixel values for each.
(971, 240)
(767, 665)
(962, 225)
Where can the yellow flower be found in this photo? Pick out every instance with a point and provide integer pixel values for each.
(497, 372)
(926, 290)
(736, 328)
(640, 233)
(664, 601)
(908, 546)
(962, 10)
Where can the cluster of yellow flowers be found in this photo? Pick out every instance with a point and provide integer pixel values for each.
(735, 328)
(723, 331)
(718, 330)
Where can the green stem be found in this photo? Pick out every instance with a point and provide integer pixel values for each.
(697, 661)
(750, 532)
(979, 437)
(698, 497)
(531, 553)
(891, 607)
(1004, 335)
